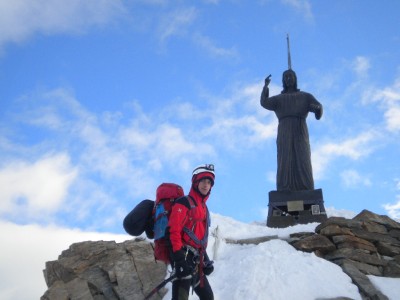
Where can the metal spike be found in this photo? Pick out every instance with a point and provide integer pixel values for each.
(289, 58)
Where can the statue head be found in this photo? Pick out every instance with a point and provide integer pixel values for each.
(289, 81)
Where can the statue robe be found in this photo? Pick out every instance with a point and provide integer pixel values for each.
(293, 147)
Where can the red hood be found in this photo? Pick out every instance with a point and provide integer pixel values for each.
(197, 196)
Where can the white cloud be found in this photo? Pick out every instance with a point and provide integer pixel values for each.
(116, 161)
(333, 212)
(215, 51)
(20, 19)
(302, 6)
(390, 96)
(392, 116)
(271, 177)
(352, 178)
(234, 121)
(353, 148)
(389, 100)
(238, 121)
(127, 154)
(25, 250)
(171, 144)
(59, 111)
(361, 66)
(176, 23)
(35, 188)
(393, 210)
(241, 132)
(164, 144)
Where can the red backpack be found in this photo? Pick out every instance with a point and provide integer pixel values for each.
(152, 217)
(166, 195)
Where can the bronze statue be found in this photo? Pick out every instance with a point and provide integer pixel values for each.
(294, 155)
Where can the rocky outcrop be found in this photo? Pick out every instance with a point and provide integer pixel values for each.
(104, 270)
(368, 244)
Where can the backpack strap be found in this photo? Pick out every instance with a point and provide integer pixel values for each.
(202, 243)
(191, 234)
(186, 201)
(189, 202)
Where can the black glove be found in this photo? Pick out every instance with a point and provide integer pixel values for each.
(182, 268)
(208, 266)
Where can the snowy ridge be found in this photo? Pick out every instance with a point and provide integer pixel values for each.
(274, 269)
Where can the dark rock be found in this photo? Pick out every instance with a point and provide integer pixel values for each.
(357, 255)
(104, 270)
(367, 269)
(297, 236)
(314, 242)
(362, 281)
(368, 244)
(366, 215)
(375, 237)
(334, 229)
(397, 259)
(336, 298)
(387, 249)
(392, 269)
(55, 271)
(301, 235)
(395, 233)
(374, 227)
(348, 241)
(341, 222)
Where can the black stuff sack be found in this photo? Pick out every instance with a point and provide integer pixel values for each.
(140, 219)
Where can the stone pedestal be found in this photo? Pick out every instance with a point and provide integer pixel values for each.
(288, 208)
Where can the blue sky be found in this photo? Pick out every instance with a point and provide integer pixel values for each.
(101, 101)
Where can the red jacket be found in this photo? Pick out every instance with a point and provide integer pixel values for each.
(183, 216)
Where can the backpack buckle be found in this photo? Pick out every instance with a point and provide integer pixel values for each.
(194, 253)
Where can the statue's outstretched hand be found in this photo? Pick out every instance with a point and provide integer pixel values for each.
(267, 80)
(318, 112)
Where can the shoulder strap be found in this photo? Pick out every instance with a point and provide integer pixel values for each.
(202, 243)
(191, 201)
(187, 201)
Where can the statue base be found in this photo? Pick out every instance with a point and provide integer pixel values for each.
(288, 208)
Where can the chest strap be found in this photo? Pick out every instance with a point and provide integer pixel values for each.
(202, 243)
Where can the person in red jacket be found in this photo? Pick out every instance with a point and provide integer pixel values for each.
(188, 234)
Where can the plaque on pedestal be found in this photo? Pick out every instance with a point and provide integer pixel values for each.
(288, 208)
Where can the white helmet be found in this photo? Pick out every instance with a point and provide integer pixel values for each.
(208, 168)
(204, 171)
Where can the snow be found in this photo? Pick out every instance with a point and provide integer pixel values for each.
(388, 286)
(270, 270)
(274, 269)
